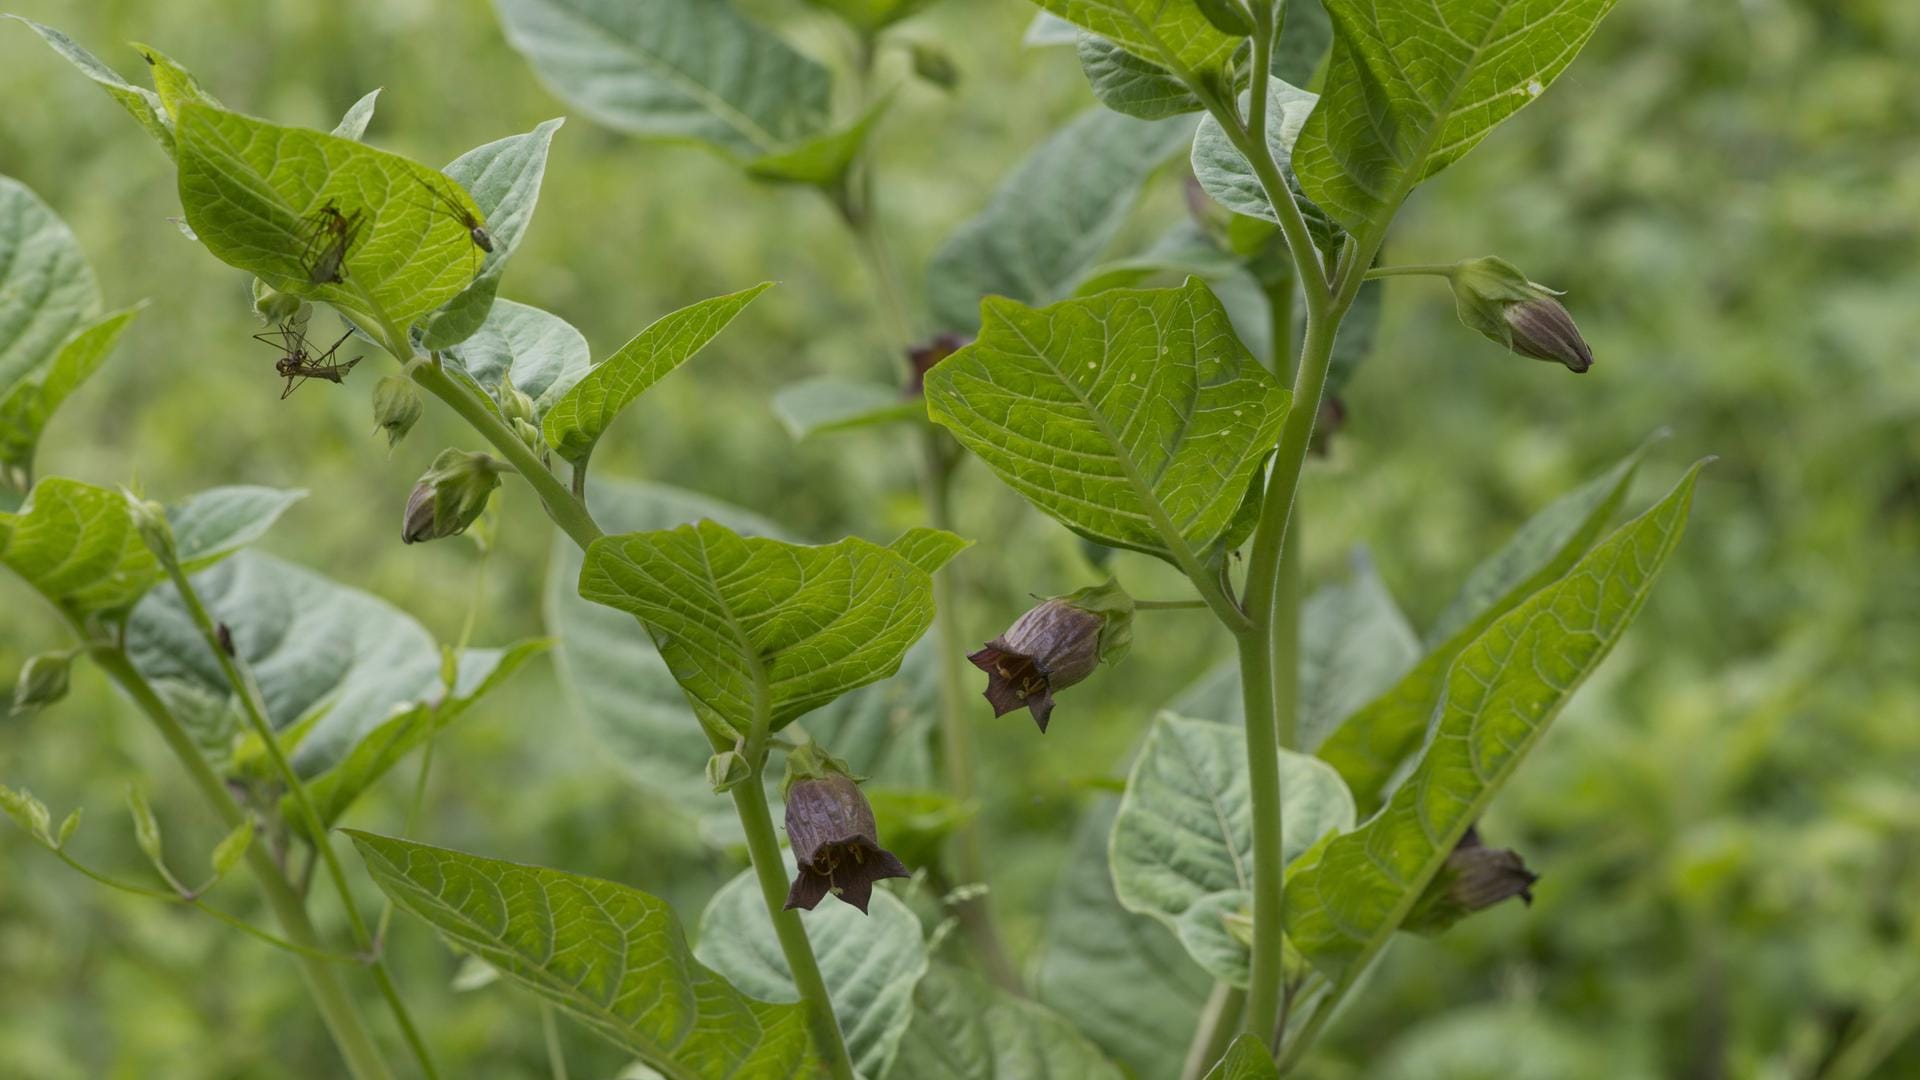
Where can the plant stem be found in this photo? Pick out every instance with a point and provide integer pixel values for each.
(565, 510)
(1414, 270)
(1169, 605)
(1219, 1022)
(556, 1057)
(763, 847)
(1263, 771)
(337, 1009)
(956, 738)
(255, 710)
(1284, 619)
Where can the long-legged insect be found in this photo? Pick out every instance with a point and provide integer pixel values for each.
(330, 234)
(298, 363)
(476, 229)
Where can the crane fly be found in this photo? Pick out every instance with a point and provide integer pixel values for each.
(297, 361)
(452, 207)
(329, 235)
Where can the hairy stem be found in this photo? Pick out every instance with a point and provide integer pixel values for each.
(255, 710)
(337, 1009)
(763, 847)
(1263, 772)
(1415, 270)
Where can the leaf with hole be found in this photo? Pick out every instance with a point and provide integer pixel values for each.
(614, 958)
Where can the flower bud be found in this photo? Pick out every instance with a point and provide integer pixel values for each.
(150, 519)
(726, 769)
(274, 306)
(1054, 646)
(396, 407)
(1475, 877)
(529, 434)
(934, 64)
(449, 496)
(1496, 300)
(836, 844)
(514, 404)
(921, 358)
(42, 681)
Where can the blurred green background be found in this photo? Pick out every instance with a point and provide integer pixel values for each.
(1727, 819)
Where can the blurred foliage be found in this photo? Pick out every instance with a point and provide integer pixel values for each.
(1728, 820)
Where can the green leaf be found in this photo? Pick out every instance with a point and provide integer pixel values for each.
(1169, 32)
(1304, 42)
(141, 103)
(47, 291)
(1369, 746)
(1052, 217)
(614, 957)
(1182, 849)
(481, 672)
(1227, 176)
(1414, 85)
(1247, 1059)
(146, 828)
(250, 189)
(964, 1029)
(176, 85)
(1127, 84)
(929, 549)
(673, 69)
(871, 963)
(26, 407)
(759, 632)
(29, 813)
(823, 159)
(314, 646)
(215, 523)
(618, 683)
(1499, 696)
(1135, 418)
(540, 352)
(354, 124)
(871, 16)
(576, 422)
(233, 847)
(825, 404)
(1354, 645)
(1120, 978)
(1048, 29)
(77, 546)
(504, 178)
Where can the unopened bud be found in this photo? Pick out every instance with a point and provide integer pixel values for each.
(396, 407)
(1054, 646)
(1475, 877)
(43, 680)
(150, 519)
(529, 434)
(449, 496)
(275, 307)
(514, 404)
(726, 769)
(1496, 300)
(934, 64)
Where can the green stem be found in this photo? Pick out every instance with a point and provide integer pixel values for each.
(1284, 619)
(255, 710)
(336, 1006)
(1263, 771)
(566, 511)
(556, 1056)
(1169, 605)
(1219, 1022)
(1412, 270)
(763, 848)
(975, 912)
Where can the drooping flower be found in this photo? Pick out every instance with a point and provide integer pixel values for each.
(449, 496)
(1474, 878)
(836, 844)
(1053, 646)
(1495, 299)
(921, 358)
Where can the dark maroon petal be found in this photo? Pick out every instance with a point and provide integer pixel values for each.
(808, 890)
(1011, 676)
(855, 889)
(1041, 706)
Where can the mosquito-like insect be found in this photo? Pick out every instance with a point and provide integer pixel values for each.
(297, 361)
(329, 234)
(452, 207)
